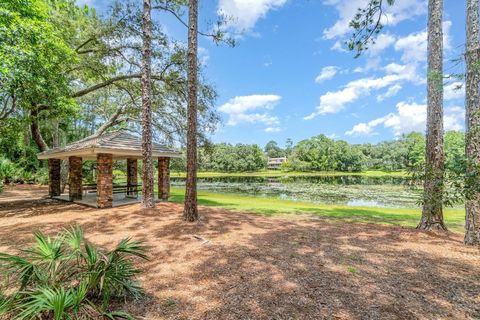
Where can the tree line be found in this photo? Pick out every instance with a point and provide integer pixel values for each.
(321, 153)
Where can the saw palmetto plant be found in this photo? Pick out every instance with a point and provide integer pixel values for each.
(67, 277)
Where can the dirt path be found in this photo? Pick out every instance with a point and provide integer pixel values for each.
(243, 266)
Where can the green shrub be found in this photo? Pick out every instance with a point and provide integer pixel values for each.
(13, 173)
(41, 176)
(66, 277)
(119, 176)
(286, 166)
(298, 165)
(8, 171)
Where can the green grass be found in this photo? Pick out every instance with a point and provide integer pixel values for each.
(277, 173)
(352, 270)
(454, 218)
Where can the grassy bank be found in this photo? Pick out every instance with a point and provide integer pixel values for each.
(277, 173)
(396, 216)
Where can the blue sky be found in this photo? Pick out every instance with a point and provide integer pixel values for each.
(290, 77)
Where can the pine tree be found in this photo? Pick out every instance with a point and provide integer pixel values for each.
(191, 210)
(432, 212)
(472, 134)
(148, 200)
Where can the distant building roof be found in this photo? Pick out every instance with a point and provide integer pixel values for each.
(275, 163)
(277, 160)
(120, 144)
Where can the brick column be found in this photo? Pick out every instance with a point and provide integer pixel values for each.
(132, 177)
(104, 180)
(75, 178)
(163, 178)
(54, 177)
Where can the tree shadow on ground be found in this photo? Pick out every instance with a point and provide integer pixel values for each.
(329, 271)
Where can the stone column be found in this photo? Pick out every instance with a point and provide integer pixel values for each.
(104, 180)
(163, 178)
(54, 177)
(132, 177)
(75, 178)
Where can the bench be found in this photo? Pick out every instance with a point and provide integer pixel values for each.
(128, 190)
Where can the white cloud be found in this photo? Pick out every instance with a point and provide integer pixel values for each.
(413, 48)
(203, 55)
(326, 73)
(454, 118)
(272, 129)
(409, 117)
(392, 91)
(335, 101)
(393, 68)
(414, 45)
(447, 39)
(382, 42)
(241, 109)
(402, 10)
(454, 90)
(245, 13)
(235, 119)
(374, 51)
(346, 10)
(373, 63)
(338, 46)
(360, 129)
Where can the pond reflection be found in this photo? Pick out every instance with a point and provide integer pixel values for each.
(342, 190)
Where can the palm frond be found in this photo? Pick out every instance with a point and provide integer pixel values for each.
(5, 304)
(91, 255)
(46, 249)
(131, 247)
(74, 238)
(46, 300)
(23, 269)
(115, 315)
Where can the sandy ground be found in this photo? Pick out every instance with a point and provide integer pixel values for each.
(242, 266)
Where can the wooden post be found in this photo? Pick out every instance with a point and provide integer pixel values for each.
(163, 178)
(104, 180)
(132, 177)
(75, 178)
(54, 177)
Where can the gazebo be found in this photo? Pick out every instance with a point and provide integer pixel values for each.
(105, 149)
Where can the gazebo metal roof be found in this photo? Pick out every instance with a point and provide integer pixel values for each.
(121, 145)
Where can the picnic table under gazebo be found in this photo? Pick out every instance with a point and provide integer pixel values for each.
(105, 149)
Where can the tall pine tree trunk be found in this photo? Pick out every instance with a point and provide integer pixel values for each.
(472, 120)
(432, 213)
(190, 212)
(148, 200)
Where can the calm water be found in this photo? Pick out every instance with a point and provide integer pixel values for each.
(344, 190)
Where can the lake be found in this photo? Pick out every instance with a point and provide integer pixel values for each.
(342, 190)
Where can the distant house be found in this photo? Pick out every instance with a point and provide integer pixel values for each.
(275, 163)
